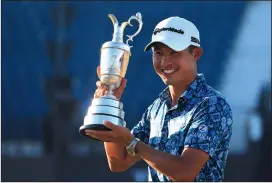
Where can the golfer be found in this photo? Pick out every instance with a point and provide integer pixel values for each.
(184, 135)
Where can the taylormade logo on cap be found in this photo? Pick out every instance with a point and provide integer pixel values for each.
(168, 29)
(175, 32)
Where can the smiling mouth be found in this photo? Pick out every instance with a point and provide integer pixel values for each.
(168, 71)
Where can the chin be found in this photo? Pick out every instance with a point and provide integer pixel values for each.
(168, 82)
(172, 81)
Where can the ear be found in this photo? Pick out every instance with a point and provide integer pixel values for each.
(197, 52)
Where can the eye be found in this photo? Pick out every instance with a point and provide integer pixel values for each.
(157, 52)
(173, 52)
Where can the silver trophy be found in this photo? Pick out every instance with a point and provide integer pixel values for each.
(113, 66)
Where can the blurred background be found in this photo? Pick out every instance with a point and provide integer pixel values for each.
(50, 51)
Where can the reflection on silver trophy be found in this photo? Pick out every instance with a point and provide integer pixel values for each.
(113, 66)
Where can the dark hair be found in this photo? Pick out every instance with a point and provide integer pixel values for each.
(191, 48)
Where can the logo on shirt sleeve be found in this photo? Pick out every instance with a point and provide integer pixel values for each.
(203, 128)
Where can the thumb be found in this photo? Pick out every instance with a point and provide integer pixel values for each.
(122, 86)
(98, 71)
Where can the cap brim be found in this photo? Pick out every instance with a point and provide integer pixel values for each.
(149, 45)
(173, 44)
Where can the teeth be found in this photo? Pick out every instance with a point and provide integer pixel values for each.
(168, 71)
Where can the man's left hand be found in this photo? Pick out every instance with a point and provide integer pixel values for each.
(119, 134)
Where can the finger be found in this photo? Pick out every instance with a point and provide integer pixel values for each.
(98, 93)
(100, 133)
(104, 139)
(95, 95)
(112, 126)
(101, 85)
(122, 86)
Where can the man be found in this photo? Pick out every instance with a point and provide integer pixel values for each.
(185, 134)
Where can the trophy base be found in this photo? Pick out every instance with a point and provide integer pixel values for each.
(103, 109)
(98, 127)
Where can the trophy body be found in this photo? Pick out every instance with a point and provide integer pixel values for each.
(113, 66)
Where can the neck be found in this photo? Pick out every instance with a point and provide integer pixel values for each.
(180, 88)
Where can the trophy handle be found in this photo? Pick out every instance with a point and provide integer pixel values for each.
(138, 17)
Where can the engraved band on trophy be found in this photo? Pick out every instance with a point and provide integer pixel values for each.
(113, 66)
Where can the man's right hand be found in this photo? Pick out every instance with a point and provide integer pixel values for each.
(103, 89)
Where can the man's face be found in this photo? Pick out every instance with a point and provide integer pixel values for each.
(173, 67)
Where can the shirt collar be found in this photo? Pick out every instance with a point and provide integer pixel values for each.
(195, 89)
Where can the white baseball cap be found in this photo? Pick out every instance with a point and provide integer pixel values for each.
(175, 32)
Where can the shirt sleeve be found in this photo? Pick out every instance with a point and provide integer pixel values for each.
(211, 126)
(142, 129)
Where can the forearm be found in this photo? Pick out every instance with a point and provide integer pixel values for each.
(169, 165)
(116, 154)
(115, 151)
(118, 158)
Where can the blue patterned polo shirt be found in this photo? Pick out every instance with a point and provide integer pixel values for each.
(202, 119)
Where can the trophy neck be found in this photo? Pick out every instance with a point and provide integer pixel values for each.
(118, 30)
(118, 34)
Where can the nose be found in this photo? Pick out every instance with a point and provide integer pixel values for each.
(165, 61)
